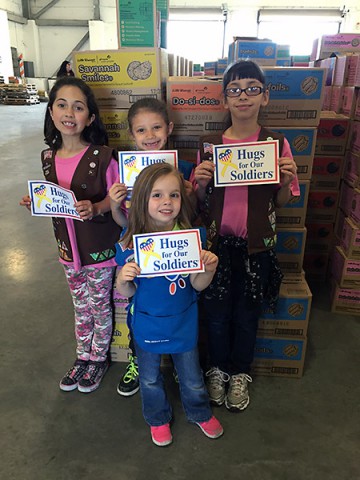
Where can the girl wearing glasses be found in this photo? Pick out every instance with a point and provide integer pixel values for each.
(240, 224)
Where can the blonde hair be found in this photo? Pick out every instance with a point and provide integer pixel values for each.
(139, 220)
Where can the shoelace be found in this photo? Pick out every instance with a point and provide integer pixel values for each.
(76, 371)
(239, 383)
(217, 377)
(132, 371)
(92, 371)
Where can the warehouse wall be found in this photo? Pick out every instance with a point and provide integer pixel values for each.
(48, 46)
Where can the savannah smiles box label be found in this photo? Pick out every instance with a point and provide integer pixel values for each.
(131, 163)
(246, 164)
(50, 200)
(164, 253)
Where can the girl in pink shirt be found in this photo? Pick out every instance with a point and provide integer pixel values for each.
(241, 231)
(79, 160)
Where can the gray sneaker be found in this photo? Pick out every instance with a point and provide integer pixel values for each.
(215, 383)
(237, 397)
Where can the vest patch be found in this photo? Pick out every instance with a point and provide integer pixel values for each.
(103, 256)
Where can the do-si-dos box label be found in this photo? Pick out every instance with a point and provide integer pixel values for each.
(246, 163)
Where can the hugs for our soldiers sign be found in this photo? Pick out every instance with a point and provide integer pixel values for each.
(50, 200)
(246, 164)
(163, 253)
(131, 163)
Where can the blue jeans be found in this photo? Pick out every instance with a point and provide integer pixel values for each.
(231, 323)
(156, 407)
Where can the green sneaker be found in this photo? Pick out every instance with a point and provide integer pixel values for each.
(129, 383)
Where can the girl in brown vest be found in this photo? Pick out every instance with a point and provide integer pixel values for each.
(240, 224)
(78, 160)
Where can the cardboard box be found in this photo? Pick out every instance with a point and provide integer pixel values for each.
(342, 70)
(302, 143)
(137, 23)
(326, 104)
(329, 64)
(294, 212)
(351, 172)
(345, 271)
(322, 205)
(195, 105)
(316, 265)
(354, 137)
(326, 173)
(296, 96)
(345, 300)
(292, 314)
(346, 197)
(290, 247)
(262, 52)
(349, 101)
(336, 99)
(350, 239)
(339, 43)
(338, 226)
(278, 356)
(332, 134)
(119, 78)
(320, 238)
(117, 128)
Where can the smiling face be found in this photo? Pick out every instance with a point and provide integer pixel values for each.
(165, 202)
(245, 108)
(149, 130)
(70, 112)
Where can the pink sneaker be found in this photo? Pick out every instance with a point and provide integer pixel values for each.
(212, 428)
(161, 436)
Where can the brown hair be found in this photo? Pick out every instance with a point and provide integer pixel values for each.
(139, 220)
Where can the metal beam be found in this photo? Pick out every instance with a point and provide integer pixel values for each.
(62, 23)
(96, 6)
(17, 19)
(26, 10)
(45, 9)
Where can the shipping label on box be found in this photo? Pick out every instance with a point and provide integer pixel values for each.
(292, 313)
(294, 212)
(350, 239)
(296, 96)
(277, 356)
(302, 143)
(290, 246)
(345, 270)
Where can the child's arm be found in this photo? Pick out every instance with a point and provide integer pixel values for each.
(204, 172)
(287, 174)
(88, 210)
(125, 280)
(26, 202)
(117, 193)
(202, 280)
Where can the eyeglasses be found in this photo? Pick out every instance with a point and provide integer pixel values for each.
(249, 91)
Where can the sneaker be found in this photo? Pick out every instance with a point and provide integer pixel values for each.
(216, 385)
(71, 380)
(94, 374)
(129, 383)
(212, 428)
(161, 436)
(237, 397)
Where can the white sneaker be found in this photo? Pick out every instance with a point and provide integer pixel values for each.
(215, 384)
(237, 397)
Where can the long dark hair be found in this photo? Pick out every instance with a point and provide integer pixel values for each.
(62, 70)
(139, 220)
(94, 134)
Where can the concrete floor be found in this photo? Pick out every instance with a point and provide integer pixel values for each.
(293, 429)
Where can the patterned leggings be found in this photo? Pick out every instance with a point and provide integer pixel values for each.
(91, 291)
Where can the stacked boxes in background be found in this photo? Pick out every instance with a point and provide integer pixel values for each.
(328, 166)
(294, 109)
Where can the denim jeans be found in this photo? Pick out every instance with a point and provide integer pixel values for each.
(156, 407)
(231, 323)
